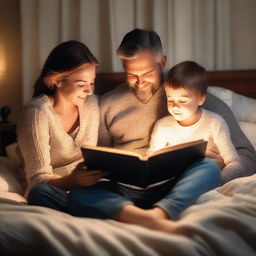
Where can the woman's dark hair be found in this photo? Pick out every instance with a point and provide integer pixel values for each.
(187, 74)
(63, 59)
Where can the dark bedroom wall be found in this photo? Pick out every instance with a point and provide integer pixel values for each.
(243, 34)
(243, 44)
(10, 57)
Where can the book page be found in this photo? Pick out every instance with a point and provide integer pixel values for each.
(176, 147)
(114, 150)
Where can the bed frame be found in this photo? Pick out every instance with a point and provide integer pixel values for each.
(241, 81)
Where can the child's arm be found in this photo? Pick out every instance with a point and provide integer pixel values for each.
(232, 170)
(233, 167)
(213, 153)
(158, 139)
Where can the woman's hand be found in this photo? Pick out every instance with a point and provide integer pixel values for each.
(83, 177)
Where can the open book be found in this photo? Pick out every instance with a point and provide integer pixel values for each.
(142, 171)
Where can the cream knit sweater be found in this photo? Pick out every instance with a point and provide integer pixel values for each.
(45, 147)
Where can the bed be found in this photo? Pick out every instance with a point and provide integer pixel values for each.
(222, 222)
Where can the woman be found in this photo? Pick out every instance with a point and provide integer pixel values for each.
(62, 117)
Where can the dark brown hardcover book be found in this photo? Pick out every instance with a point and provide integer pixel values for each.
(132, 168)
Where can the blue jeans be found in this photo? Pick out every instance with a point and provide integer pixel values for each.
(106, 199)
(49, 196)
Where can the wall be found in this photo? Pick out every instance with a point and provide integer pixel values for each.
(10, 57)
(243, 34)
(243, 47)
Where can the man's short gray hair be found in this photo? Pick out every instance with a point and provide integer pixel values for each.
(139, 40)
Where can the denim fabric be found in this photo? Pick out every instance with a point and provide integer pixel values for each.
(146, 198)
(201, 177)
(101, 201)
(48, 196)
(105, 200)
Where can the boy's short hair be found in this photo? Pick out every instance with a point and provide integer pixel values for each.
(139, 40)
(187, 74)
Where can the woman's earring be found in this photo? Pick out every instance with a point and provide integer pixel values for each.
(58, 84)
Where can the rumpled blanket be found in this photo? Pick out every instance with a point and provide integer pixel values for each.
(222, 222)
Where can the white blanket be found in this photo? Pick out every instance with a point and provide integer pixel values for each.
(222, 223)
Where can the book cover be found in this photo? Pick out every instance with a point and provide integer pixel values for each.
(134, 169)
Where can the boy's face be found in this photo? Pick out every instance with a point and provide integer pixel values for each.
(183, 105)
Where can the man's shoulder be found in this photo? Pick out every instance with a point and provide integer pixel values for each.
(92, 100)
(118, 93)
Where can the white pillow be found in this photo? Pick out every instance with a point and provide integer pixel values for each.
(244, 108)
(222, 93)
(249, 130)
(13, 196)
(8, 177)
(12, 153)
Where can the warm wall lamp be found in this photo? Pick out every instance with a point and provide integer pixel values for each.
(2, 61)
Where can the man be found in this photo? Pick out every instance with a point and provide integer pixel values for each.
(128, 114)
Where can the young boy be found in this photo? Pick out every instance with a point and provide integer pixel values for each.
(186, 91)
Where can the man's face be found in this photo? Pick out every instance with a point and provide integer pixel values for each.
(143, 74)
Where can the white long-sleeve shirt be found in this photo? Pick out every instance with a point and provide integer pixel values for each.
(210, 127)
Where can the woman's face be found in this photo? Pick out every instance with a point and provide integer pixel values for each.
(78, 85)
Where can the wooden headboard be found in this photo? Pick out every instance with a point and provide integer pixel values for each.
(241, 81)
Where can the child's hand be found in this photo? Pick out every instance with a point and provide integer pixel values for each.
(144, 157)
(83, 177)
(213, 153)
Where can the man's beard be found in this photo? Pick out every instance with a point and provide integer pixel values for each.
(145, 95)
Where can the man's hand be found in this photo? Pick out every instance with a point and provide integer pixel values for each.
(83, 177)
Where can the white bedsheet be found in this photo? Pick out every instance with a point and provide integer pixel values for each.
(224, 223)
